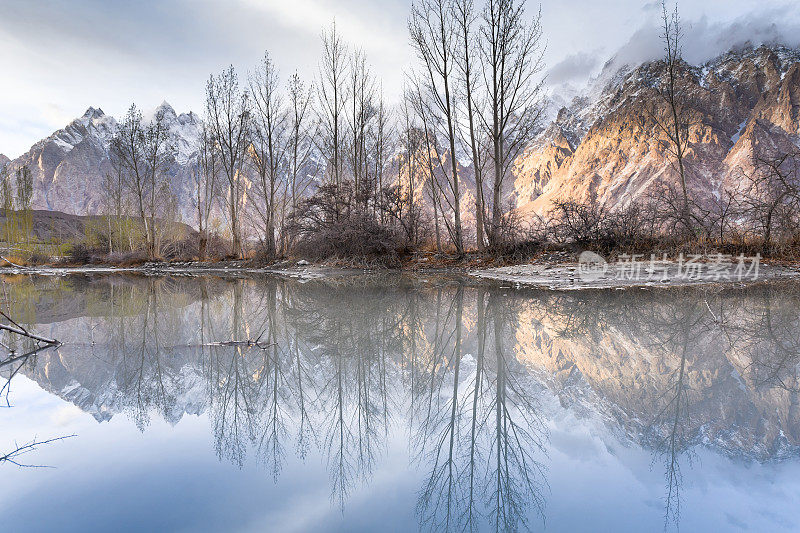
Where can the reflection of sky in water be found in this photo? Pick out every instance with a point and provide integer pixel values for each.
(114, 477)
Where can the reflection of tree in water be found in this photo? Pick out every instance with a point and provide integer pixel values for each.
(770, 338)
(351, 345)
(478, 430)
(141, 321)
(699, 344)
(12, 364)
(670, 330)
(676, 331)
(340, 364)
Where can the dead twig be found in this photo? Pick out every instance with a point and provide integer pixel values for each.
(13, 456)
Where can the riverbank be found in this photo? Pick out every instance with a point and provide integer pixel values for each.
(554, 271)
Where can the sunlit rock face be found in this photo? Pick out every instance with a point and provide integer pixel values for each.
(665, 370)
(614, 155)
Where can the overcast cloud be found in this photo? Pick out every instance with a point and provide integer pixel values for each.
(57, 58)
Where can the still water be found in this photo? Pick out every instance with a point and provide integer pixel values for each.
(389, 403)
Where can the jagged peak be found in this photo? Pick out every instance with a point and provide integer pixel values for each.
(93, 112)
(749, 51)
(165, 109)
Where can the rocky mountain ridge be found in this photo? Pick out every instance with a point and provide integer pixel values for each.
(69, 166)
(597, 148)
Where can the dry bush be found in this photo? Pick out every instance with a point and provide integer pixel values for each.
(80, 254)
(337, 223)
(37, 258)
(591, 225)
(183, 250)
(355, 238)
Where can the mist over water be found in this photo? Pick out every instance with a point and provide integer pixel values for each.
(401, 403)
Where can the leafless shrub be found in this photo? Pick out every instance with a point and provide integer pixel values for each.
(125, 258)
(579, 223)
(772, 198)
(592, 225)
(398, 209)
(338, 223)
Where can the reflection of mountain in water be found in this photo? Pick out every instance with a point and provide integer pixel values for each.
(463, 368)
(731, 357)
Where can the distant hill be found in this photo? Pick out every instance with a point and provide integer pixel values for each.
(65, 227)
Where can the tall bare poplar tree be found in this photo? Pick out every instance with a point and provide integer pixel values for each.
(466, 58)
(141, 154)
(511, 56)
(433, 37)
(671, 118)
(24, 200)
(331, 101)
(228, 114)
(362, 95)
(268, 149)
(206, 176)
(300, 136)
(382, 142)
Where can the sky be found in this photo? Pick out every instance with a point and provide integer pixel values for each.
(59, 57)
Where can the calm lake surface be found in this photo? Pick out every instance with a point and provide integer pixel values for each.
(390, 403)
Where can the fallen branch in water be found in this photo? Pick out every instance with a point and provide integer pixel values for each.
(19, 330)
(12, 457)
(262, 345)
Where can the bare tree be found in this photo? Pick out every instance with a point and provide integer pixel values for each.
(24, 199)
(671, 115)
(141, 154)
(511, 55)
(382, 141)
(465, 57)
(300, 137)
(362, 111)
(412, 143)
(113, 200)
(772, 195)
(206, 177)
(228, 114)
(432, 158)
(268, 149)
(331, 101)
(432, 36)
(7, 197)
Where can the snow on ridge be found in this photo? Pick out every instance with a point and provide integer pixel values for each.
(597, 99)
(95, 125)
